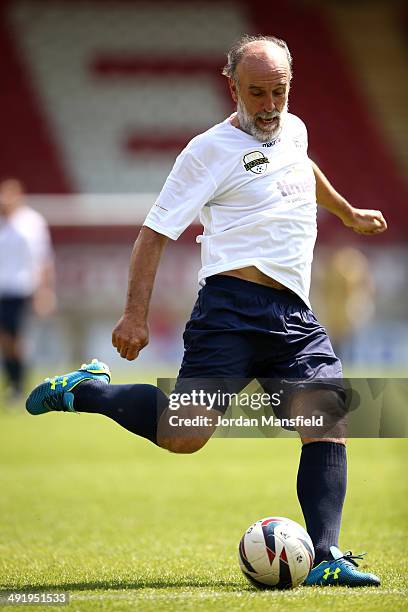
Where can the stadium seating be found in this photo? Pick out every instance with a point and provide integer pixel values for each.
(97, 112)
(101, 96)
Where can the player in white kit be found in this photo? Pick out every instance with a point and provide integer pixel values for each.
(26, 277)
(254, 187)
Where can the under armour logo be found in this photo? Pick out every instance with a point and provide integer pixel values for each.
(54, 382)
(328, 573)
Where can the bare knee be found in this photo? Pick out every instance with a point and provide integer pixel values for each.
(185, 446)
(329, 409)
(183, 437)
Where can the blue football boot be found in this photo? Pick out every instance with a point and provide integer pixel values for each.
(56, 393)
(341, 570)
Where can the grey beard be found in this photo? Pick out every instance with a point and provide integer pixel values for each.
(248, 124)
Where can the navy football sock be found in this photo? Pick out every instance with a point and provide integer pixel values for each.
(321, 489)
(135, 407)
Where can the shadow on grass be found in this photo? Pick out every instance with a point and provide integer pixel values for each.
(121, 585)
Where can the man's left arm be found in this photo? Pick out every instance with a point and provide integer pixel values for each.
(361, 220)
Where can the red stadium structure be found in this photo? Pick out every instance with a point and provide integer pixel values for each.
(99, 97)
(344, 134)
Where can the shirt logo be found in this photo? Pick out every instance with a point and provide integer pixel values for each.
(255, 162)
(299, 143)
(295, 182)
(271, 143)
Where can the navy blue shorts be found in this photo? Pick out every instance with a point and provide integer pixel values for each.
(12, 314)
(244, 330)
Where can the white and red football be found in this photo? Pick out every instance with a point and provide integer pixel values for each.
(276, 552)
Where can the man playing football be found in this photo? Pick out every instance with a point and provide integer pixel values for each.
(255, 188)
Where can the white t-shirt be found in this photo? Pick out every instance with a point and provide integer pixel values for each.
(256, 201)
(25, 247)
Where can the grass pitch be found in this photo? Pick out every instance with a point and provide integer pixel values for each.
(88, 508)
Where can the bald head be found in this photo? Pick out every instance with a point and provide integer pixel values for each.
(263, 56)
(262, 62)
(263, 49)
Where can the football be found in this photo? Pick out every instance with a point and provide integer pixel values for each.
(276, 553)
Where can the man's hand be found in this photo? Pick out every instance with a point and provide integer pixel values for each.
(360, 220)
(131, 333)
(364, 221)
(129, 337)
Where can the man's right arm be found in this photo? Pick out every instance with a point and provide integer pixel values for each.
(131, 333)
(189, 186)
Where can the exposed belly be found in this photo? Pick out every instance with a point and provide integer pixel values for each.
(252, 274)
